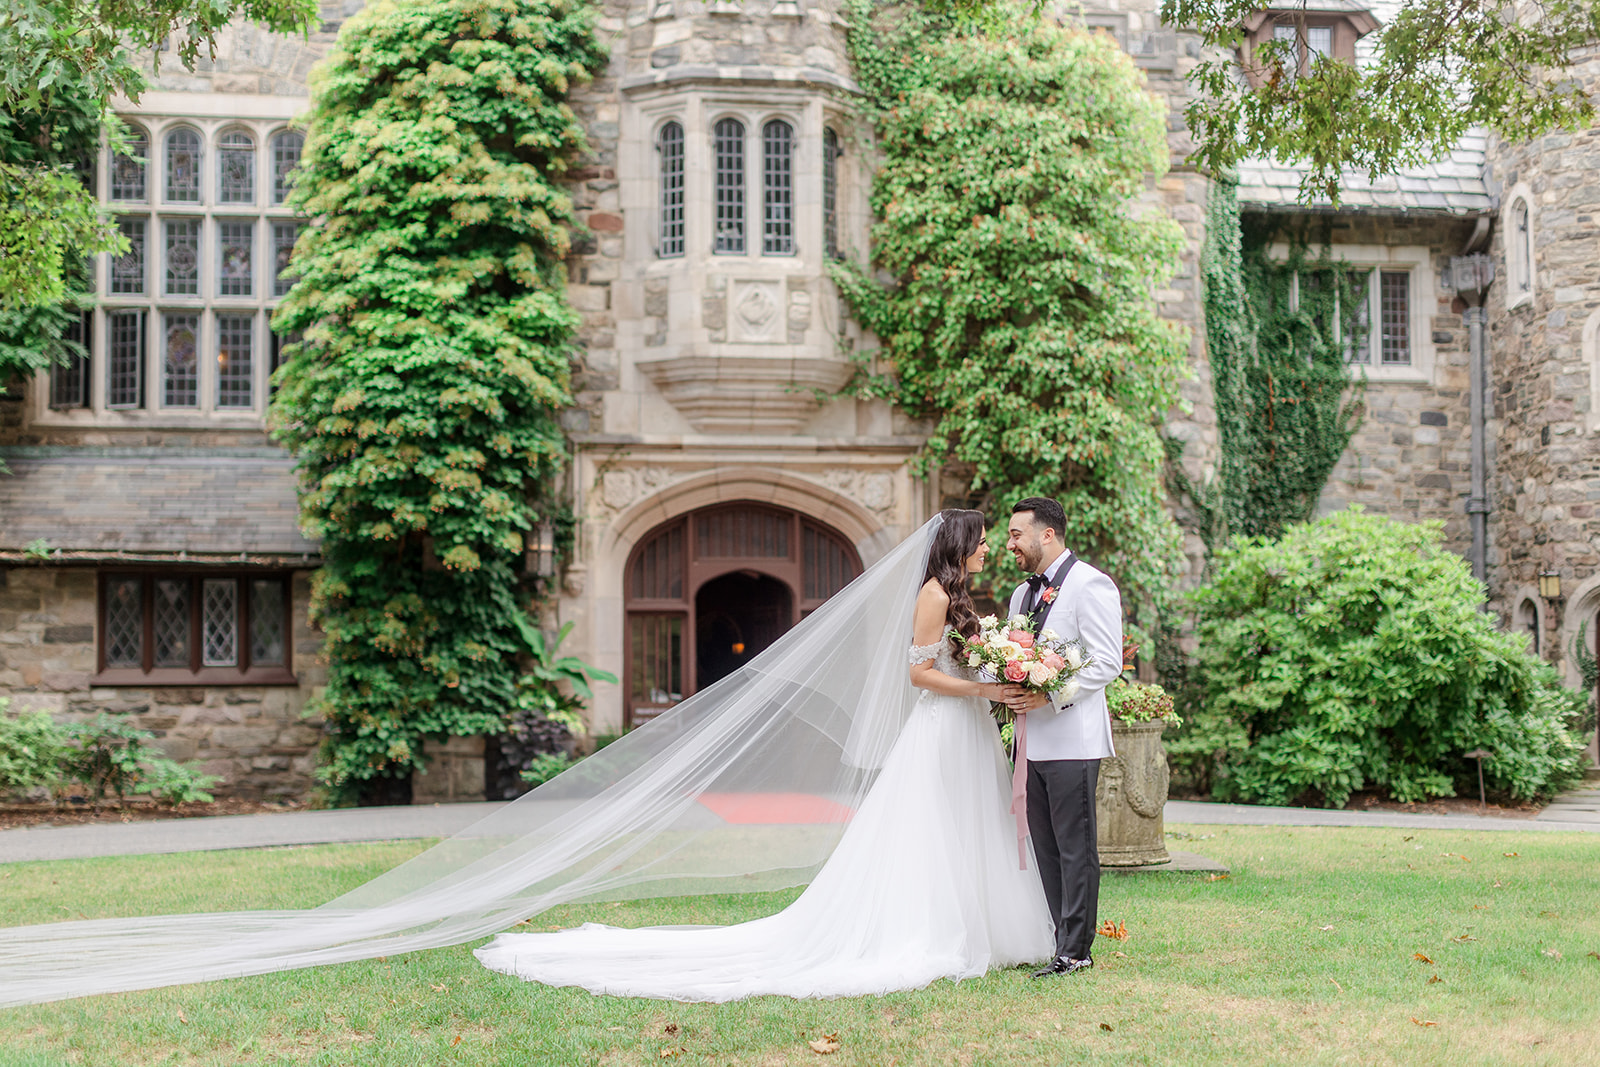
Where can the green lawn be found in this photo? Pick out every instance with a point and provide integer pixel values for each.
(1306, 954)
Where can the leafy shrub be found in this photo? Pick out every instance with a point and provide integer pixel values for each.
(1352, 653)
(546, 716)
(31, 747)
(545, 766)
(1134, 702)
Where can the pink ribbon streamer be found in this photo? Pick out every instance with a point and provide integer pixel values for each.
(1019, 788)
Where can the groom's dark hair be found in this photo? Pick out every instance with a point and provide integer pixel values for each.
(1046, 512)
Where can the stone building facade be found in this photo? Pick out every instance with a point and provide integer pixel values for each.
(151, 560)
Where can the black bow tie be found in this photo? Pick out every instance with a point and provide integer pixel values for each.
(1037, 580)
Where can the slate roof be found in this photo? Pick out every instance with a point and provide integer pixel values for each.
(132, 502)
(1452, 185)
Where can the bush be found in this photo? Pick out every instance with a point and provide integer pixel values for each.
(1352, 653)
(544, 767)
(31, 748)
(1133, 702)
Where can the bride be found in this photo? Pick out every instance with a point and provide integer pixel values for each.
(924, 883)
(819, 761)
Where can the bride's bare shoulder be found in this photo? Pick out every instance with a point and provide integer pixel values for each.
(933, 593)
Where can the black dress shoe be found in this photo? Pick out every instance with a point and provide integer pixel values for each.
(1059, 965)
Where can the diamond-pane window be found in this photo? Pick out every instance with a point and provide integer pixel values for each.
(284, 235)
(830, 193)
(180, 362)
(285, 158)
(1394, 298)
(670, 145)
(728, 142)
(236, 168)
(124, 359)
(124, 622)
(172, 622)
(128, 171)
(220, 622)
(777, 148)
(183, 257)
(235, 361)
(183, 167)
(236, 246)
(266, 624)
(127, 270)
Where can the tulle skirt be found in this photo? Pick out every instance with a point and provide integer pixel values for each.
(923, 885)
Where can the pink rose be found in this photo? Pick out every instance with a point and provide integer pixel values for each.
(1053, 661)
(1020, 637)
(1049, 596)
(1015, 671)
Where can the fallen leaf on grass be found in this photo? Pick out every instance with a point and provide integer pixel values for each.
(1106, 1027)
(1328, 927)
(1122, 955)
(1423, 1022)
(668, 1053)
(1497, 884)
(1409, 837)
(1434, 979)
(825, 1044)
(455, 1041)
(437, 988)
(1510, 855)
(1058, 1025)
(1480, 907)
(1215, 877)
(1115, 931)
(1463, 938)
(614, 1029)
(1596, 955)
(185, 1021)
(671, 1029)
(1553, 953)
(1419, 956)
(1549, 915)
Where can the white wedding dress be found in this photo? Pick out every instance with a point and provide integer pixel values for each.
(924, 884)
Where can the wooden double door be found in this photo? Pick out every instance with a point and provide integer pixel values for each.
(708, 591)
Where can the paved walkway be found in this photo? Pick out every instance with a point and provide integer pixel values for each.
(1579, 811)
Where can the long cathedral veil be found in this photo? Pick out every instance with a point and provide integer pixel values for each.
(745, 786)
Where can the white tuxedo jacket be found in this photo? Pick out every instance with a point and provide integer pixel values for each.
(1088, 609)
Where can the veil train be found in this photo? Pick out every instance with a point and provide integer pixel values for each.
(743, 787)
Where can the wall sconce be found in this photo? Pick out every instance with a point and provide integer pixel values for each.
(1550, 585)
(540, 555)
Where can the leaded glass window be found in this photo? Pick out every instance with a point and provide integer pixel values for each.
(670, 145)
(124, 622)
(172, 622)
(277, 347)
(235, 361)
(183, 167)
(236, 168)
(183, 257)
(285, 158)
(220, 622)
(1358, 335)
(830, 193)
(69, 381)
(284, 235)
(728, 144)
(266, 623)
(777, 156)
(236, 247)
(127, 270)
(128, 170)
(125, 359)
(180, 364)
(1394, 296)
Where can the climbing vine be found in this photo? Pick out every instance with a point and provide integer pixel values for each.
(1281, 332)
(421, 404)
(1020, 320)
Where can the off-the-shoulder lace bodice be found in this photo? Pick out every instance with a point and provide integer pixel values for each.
(944, 659)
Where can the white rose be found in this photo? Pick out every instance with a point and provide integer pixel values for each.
(1074, 656)
(1010, 650)
(1068, 691)
(974, 659)
(1049, 635)
(1019, 622)
(1039, 674)
(988, 622)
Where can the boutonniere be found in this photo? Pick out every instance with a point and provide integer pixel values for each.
(1049, 595)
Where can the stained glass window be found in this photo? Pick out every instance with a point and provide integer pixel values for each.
(179, 360)
(183, 257)
(236, 168)
(286, 148)
(183, 167)
(128, 169)
(127, 270)
(236, 246)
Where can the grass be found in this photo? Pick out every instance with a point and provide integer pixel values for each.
(1306, 954)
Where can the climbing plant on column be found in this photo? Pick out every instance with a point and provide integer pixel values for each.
(1020, 314)
(422, 403)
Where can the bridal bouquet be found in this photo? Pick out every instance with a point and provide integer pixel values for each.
(1008, 650)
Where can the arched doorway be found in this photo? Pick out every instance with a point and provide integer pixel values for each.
(709, 590)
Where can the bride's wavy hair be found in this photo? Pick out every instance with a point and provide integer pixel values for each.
(957, 538)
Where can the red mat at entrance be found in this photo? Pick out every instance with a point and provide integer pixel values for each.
(774, 808)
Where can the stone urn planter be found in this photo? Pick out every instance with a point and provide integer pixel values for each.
(1130, 796)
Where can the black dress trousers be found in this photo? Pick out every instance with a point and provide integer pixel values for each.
(1061, 822)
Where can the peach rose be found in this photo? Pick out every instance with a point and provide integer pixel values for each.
(1021, 637)
(1053, 661)
(1015, 671)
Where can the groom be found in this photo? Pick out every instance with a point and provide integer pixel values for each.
(1066, 742)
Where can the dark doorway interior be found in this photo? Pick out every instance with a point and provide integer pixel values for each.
(737, 616)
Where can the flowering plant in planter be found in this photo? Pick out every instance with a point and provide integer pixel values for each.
(1135, 702)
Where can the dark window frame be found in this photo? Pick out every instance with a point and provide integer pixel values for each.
(243, 673)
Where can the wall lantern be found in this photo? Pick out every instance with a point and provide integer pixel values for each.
(540, 557)
(1550, 585)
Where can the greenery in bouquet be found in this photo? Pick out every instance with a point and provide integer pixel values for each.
(1009, 651)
